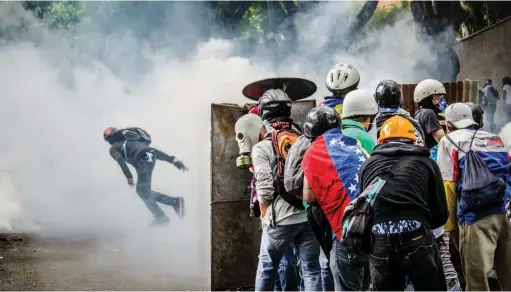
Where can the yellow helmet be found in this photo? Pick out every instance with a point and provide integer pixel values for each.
(397, 127)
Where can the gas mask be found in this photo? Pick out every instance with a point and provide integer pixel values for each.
(247, 130)
(442, 105)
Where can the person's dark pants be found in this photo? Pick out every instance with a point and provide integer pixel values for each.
(145, 167)
(288, 274)
(349, 270)
(414, 254)
(508, 112)
(489, 111)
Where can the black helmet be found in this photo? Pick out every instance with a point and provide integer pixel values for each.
(477, 114)
(274, 104)
(319, 120)
(111, 135)
(388, 94)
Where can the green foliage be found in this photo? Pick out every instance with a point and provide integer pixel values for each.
(251, 22)
(386, 15)
(57, 14)
(482, 14)
(65, 15)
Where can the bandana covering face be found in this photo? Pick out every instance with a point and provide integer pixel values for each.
(442, 105)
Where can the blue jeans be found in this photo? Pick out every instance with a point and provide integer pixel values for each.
(327, 281)
(288, 278)
(274, 242)
(350, 273)
(489, 111)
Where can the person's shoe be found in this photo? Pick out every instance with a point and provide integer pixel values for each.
(159, 221)
(179, 207)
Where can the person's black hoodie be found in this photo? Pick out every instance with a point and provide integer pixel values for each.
(415, 191)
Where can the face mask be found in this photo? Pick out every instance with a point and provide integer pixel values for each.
(247, 131)
(245, 146)
(442, 105)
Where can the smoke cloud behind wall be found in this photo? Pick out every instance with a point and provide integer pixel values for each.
(60, 91)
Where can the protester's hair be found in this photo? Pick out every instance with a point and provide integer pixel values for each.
(359, 118)
(506, 81)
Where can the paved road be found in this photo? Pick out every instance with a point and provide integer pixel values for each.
(88, 263)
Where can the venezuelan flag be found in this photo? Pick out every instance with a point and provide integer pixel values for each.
(335, 103)
(331, 166)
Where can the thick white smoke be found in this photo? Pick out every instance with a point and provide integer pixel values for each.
(55, 106)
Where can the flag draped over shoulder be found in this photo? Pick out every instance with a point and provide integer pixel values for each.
(335, 103)
(331, 166)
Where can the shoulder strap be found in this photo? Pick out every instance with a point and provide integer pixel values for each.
(472, 140)
(456, 145)
(453, 143)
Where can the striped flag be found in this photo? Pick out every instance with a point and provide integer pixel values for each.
(331, 166)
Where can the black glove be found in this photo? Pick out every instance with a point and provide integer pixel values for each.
(180, 165)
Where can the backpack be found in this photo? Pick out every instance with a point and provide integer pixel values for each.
(358, 215)
(481, 189)
(320, 227)
(281, 141)
(136, 134)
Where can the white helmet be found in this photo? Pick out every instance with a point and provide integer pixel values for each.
(359, 102)
(342, 77)
(426, 88)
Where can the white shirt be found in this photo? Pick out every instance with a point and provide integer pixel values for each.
(507, 98)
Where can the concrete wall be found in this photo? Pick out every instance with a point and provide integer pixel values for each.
(487, 55)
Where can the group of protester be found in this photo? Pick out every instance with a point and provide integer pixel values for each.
(430, 189)
(489, 97)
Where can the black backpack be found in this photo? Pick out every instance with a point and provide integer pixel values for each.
(358, 215)
(136, 134)
(321, 228)
(481, 189)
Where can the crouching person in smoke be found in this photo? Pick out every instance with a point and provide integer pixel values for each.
(409, 205)
(284, 223)
(475, 168)
(330, 168)
(131, 145)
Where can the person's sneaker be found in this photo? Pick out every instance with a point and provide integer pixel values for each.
(180, 207)
(159, 221)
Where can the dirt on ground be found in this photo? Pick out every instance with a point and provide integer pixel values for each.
(29, 262)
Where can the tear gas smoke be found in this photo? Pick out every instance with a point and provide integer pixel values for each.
(60, 91)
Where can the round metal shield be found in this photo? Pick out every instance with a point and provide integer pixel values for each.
(296, 88)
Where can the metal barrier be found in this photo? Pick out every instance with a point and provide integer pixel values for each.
(235, 237)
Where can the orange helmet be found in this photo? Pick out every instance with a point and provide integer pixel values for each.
(397, 127)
